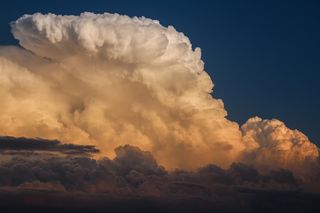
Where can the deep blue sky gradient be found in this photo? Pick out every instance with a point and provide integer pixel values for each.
(263, 56)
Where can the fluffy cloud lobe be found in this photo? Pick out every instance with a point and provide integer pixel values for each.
(109, 80)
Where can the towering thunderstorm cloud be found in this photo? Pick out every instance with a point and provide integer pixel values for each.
(109, 80)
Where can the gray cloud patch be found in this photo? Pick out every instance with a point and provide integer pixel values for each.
(14, 144)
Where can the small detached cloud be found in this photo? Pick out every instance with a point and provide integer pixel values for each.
(13, 145)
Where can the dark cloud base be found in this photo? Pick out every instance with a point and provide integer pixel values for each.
(46, 180)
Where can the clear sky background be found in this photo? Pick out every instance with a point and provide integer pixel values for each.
(263, 56)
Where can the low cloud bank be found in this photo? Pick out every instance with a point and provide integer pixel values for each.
(63, 181)
(132, 171)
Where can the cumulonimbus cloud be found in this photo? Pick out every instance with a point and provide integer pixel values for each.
(109, 80)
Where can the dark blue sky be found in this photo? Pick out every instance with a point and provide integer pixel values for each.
(264, 56)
